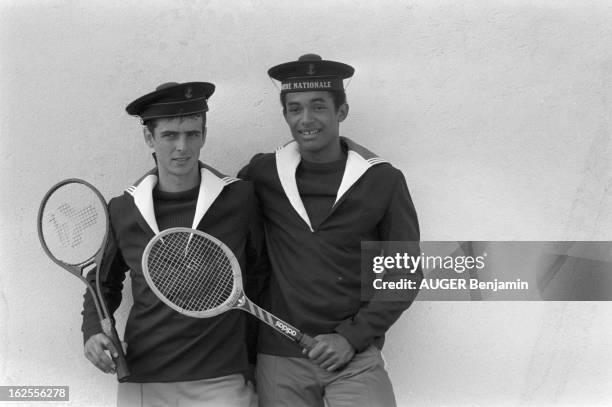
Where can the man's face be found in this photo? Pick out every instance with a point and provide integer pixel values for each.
(315, 124)
(177, 142)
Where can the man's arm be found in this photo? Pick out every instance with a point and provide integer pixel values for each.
(258, 265)
(111, 285)
(377, 315)
(257, 273)
(245, 172)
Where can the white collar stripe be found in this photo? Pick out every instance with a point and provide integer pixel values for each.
(230, 180)
(375, 161)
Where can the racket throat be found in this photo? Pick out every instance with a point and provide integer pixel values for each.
(87, 267)
(242, 303)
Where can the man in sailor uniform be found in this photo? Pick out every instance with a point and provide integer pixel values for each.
(176, 359)
(322, 195)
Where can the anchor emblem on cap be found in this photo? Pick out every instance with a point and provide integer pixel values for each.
(188, 93)
(311, 70)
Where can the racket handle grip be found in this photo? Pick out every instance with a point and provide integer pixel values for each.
(307, 342)
(123, 372)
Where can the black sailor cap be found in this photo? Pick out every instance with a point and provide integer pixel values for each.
(172, 99)
(311, 73)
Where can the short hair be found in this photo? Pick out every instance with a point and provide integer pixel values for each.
(152, 123)
(338, 96)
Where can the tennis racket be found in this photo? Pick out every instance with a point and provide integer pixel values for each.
(73, 231)
(199, 276)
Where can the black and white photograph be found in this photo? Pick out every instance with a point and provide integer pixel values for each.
(327, 203)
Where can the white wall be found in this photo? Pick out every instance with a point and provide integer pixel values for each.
(497, 112)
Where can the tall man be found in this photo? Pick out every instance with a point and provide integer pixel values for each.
(321, 196)
(175, 359)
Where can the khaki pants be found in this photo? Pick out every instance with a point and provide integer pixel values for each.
(297, 382)
(226, 391)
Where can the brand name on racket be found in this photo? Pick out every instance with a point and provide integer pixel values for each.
(285, 328)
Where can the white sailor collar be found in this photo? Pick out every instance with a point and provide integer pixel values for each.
(358, 161)
(212, 183)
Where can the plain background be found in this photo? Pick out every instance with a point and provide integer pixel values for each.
(497, 112)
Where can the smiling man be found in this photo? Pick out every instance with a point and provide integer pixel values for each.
(322, 195)
(175, 359)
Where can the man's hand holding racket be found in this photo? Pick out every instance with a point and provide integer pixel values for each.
(97, 350)
(331, 352)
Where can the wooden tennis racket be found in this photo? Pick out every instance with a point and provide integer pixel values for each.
(73, 230)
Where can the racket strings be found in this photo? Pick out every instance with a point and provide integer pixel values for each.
(73, 223)
(191, 271)
(216, 288)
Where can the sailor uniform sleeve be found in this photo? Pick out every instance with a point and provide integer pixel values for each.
(376, 316)
(111, 285)
(246, 172)
(257, 273)
(258, 266)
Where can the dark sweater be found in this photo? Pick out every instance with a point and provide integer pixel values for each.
(163, 345)
(174, 209)
(318, 184)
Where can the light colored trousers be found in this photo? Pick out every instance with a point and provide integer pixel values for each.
(297, 382)
(226, 391)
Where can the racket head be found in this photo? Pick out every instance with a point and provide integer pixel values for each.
(72, 224)
(192, 272)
